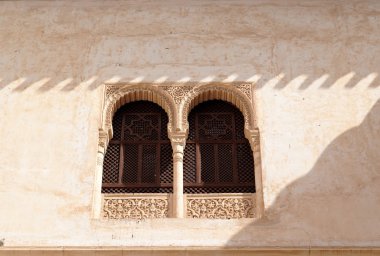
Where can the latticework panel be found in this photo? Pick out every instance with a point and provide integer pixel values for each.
(164, 128)
(225, 162)
(116, 124)
(207, 160)
(130, 167)
(166, 168)
(239, 126)
(215, 126)
(223, 159)
(134, 162)
(149, 163)
(204, 190)
(245, 163)
(138, 190)
(111, 164)
(141, 127)
(189, 164)
(191, 135)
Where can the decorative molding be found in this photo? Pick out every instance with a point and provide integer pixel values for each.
(178, 99)
(136, 208)
(238, 94)
(119, 94)
(119, 97)
(209, 206)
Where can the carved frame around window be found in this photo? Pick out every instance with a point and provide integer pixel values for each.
(178, 100)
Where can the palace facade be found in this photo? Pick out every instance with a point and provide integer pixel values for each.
(190, 127)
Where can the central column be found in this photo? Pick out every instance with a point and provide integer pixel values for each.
(178, 141)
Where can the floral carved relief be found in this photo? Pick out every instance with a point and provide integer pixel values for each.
(178, 92)
(220, 208)
(246, 89)
(111, 89)
(135, 208)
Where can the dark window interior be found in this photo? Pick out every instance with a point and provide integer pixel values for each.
(218, 158)
(139, 156)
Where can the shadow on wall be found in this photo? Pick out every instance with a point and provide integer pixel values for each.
(43, 84)
(336, 204)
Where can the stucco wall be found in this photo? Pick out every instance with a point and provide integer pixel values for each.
(315, 65)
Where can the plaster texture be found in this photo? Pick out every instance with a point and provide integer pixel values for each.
(316, 69)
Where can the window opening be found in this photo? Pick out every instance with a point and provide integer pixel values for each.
(217, 158)
(139, 156)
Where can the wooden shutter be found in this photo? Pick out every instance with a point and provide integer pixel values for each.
(218, 158)
(139, 156)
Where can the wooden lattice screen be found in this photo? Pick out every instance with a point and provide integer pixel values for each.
(218, 158)
(139, 156)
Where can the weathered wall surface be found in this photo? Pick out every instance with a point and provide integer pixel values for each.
(315, 65)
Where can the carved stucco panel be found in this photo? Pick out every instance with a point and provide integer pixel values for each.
(135, 208)
(246, 89)
(222, 207)
(181, 92)
(178, 92)
(111, 89)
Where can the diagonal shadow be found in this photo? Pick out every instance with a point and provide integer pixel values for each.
(337, 203)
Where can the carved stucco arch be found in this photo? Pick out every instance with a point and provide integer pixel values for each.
(115, 96)
(118, 95)
(229, 93)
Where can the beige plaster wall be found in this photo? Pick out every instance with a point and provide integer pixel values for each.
(316, 67)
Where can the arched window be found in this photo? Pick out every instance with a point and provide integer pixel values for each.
(217, 158)
(139, 156)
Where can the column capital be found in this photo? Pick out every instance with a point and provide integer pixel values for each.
(252, 135)
(178, 138)
(103, 141)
